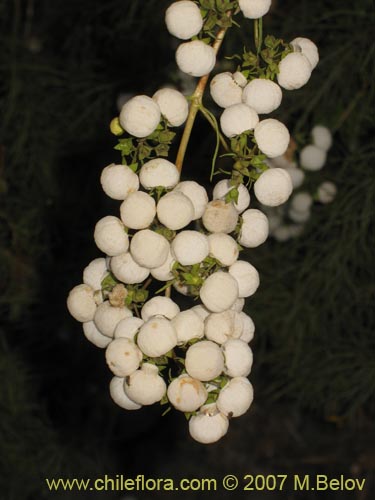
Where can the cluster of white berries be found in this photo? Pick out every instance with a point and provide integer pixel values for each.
(213, 335)
(244, 101)
(141, 114)
(169, 231)
(288, 221)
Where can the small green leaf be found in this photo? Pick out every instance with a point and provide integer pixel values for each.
(164, 400)
(109, 282)
(166, 411)
(133, 166)
(232, 196)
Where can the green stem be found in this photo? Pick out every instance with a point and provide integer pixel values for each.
(258, 34)
(196, 102)
(212, 121)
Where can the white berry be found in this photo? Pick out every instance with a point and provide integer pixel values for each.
(123, 357)
(127, 270)
(149, 249)
(219, 291)
(145, 386)
(273, 187)
(196, 194)
(237, 119)
(140, 116)
(204, 361)
(110, 236)
(81, 303)
(183, 19)
(118, 181)
(158, 172)
(312, 158)
(247, 277)
(294, 71)
(190, 247)
(238, 358)
(225, 91)
(138, 210)
(254, 229)
(220, 217)
(195, 58)
(264, 96)
(272, 137)
(254, 9)
(186, 394)
(175, 210)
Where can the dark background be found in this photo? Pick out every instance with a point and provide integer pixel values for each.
(63, 65)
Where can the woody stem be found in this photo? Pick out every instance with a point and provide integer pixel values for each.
(196, 102)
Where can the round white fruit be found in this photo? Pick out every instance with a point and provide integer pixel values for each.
(238, 358)
(118, 181)
(159, 172)
(175, 210)
(173, 106)
(247, 277)
(219, 291)
(140, 116)
(236, 397)
(127, 328)
(159, 306)
(272, 137)
(107, 317)
(145, 386)
(95, 272)
(223, 187)
(294, 71)
(312, 158)
(156, 337)
(186, 394)
(225, 91)
(237, 119)
(188, 325)
(254, 228)
(117, 392)
(326, 192)
(322, 137)
(138, 210)
(204, 361)
(219, 327)
(149, 249)
(264, 96)
(196, 194)
(195, 58)
(220, 217)
(254, 9)
(273, 187)
(223, 248)
(183, 19)
(127, 270)
(110, 236)
(94, 336)
(123, 357)
(307, 48)
(209, 425)
(190, 247)
(81, 303)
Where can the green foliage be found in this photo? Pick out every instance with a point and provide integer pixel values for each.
(135, 152)
(214, 13)
(109, 282)
(194, 276)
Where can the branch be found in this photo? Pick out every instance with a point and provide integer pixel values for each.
(196, 102)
